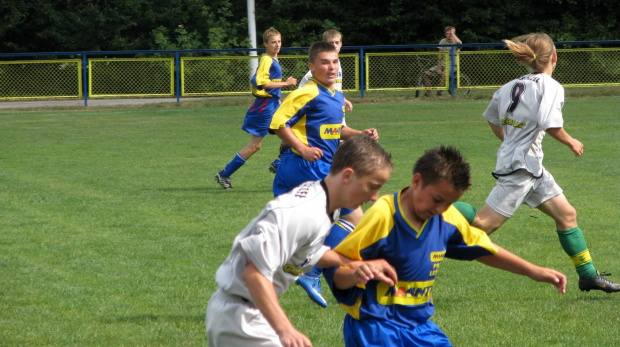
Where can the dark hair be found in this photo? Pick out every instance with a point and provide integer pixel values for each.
(361, 153)
(444, 163)
(319, 47)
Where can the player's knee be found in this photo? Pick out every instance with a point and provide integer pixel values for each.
(255, 147)
(568, 217)
(488, 225)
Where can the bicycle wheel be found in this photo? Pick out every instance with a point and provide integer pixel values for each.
(419, 84)
(463, 87)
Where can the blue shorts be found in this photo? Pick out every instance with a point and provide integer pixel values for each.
(258, 117)
(375, 333)
(295, 170)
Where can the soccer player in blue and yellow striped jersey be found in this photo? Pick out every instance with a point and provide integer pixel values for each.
(414, 230)
(310, 122)
(266, 87)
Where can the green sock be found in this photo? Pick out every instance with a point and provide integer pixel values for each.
(574, 245)
(467, 210)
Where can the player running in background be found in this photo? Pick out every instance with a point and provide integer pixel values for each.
(266, 87)
(520, 114)
(335, 38)
(414, 230)
(288, 235)
(310, 121)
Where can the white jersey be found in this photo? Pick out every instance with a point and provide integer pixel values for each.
(337, 85)
(525, 107)
(286, 238)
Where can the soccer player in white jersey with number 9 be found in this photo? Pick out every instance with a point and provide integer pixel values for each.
(520, 115)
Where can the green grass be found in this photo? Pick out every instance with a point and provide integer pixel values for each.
(112, 227)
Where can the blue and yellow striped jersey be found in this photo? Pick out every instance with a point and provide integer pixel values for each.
(268, 70)
(314, 113)
(384, 232)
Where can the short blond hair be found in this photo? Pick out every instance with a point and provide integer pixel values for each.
(270, 33)
(330, 34)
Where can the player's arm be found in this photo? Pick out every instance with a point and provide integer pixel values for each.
(310, 154)
(263, 76)
(505, 260)
(291, 81)
(498, 131)
(352, 272)
(348, 105)
(347, 132)
(265, 299)
(561, 135)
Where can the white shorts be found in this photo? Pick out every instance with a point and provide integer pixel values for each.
(232, 321)
(520, 187)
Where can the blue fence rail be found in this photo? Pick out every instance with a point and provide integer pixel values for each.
(364, 71)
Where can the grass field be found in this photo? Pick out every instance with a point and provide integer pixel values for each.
(112, 227)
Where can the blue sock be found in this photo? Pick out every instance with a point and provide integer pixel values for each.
(233, 166)
(339, 231)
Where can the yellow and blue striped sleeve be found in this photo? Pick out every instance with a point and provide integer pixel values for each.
(375, 225)
(292, 104)
(263, 75)
(469, 242)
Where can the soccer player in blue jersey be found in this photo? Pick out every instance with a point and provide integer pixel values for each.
(310, 121)
(335, 38)
(266, 87)
(414, 230)
(286, 237)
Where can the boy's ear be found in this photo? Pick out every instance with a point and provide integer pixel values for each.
(347, 175)
(416, 181)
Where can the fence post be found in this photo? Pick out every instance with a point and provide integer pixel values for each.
(362, 85)
(452, 70)
(85, 78)
(177, 76)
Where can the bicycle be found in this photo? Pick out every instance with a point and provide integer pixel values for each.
(429, 79)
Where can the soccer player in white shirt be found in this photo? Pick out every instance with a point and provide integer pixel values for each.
(287, 236)
(520, 115)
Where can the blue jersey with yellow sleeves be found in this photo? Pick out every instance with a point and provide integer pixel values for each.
(384, 232)
(268, 70)
(314, 113)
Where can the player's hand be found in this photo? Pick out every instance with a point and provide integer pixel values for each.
(291, 81)
(293, 338)
(377, 269)
(577, 147)
(311, 154)
(551, 276)
(348, 105)
(372, 132)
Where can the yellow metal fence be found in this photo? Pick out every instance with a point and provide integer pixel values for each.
(131, 77)
(35, 79)
(229, 75)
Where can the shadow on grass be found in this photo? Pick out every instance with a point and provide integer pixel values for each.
(154, 318)
(213, 189)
